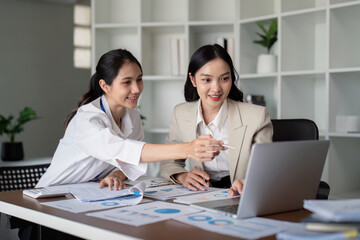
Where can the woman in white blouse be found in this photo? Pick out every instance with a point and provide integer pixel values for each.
(104, 134)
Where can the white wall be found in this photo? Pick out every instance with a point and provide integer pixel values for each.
(36, 70)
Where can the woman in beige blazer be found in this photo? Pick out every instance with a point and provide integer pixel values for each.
(214, 106)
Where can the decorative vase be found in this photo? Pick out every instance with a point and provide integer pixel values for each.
(12, 151)
(266, 63)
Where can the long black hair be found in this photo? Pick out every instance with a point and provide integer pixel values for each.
(202, 56)
(107, 69)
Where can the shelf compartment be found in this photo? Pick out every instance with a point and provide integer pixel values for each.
(344, 37)
(207, 34)
(304, 96)
(163, 11)
(303, 42)
(249, 51)
(340, 2)
(266, 86)
(295, 5)
(257, 8)
(344, 165)
(116, 11)
(212, 10)
(156, 55)
(344, 97)
(158, 101)
(107, 39)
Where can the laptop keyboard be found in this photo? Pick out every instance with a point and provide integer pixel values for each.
(230, 208)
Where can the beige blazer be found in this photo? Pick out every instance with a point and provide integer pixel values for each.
(247, 123)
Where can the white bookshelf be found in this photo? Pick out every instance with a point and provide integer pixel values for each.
(318, 73)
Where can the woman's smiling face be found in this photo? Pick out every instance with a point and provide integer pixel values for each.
(213, 83)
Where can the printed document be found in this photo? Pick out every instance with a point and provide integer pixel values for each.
(90, 191)
(251, 228)
(204, 196)
(76, 206)
(145, 213)
(172, 191)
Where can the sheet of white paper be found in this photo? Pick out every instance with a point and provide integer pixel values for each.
(171, 191)
(335, 210)
(76, 206)
(205, 196)
(144, 213)
(251, 228)
(149, 181)
(90, 191)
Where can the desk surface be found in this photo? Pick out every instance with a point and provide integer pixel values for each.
(15, 204)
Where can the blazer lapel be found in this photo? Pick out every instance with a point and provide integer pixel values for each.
(236, 135)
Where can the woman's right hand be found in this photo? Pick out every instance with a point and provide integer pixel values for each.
(204, 148)
(194, 180)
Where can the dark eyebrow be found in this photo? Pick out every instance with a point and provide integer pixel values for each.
(208, 75)
(129, 78)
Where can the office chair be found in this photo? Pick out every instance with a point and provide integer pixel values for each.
(20, 177)
(299, 129)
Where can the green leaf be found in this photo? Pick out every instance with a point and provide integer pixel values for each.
(269, 37)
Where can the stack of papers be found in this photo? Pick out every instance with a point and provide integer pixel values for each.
(347, 210)
(333, 215)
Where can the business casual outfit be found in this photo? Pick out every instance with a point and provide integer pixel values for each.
(94, 145)
(239, 125)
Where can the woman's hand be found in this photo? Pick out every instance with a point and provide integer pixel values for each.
(114, 179)
(194, 180)
(204, 148)
(236, 187)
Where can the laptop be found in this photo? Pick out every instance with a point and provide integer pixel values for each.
(279, 177)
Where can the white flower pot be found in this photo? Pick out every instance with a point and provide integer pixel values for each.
(266, 63)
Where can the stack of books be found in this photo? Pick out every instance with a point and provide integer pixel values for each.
(333, 215)
(255, 99)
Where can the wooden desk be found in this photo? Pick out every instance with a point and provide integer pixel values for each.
(78, 224)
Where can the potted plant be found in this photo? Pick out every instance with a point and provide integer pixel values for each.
(267, 62)
(14, 150)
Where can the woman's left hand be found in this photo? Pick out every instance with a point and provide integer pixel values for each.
(114, 179)
(236, 187)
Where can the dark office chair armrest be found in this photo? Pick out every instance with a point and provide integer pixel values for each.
(323, 191)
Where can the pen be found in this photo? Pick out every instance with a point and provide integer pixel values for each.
(228, 146)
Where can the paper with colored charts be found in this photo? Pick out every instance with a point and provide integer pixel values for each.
(202, 197)
(251, 228)
(171, 192)
(90, 191)
(76, 206)
(145, 213)
(149, 181)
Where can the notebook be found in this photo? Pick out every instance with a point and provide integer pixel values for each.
(279, 177)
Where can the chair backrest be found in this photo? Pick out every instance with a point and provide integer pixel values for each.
(21, 177)
(294, 129)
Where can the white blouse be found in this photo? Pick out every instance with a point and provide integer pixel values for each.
(93, 143)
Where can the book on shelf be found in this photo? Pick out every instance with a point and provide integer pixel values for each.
(174, 52)
(182, 57)
(228, 44)
(177, 52)
(255, 99)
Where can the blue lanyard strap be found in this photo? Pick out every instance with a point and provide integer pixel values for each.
(102, 106)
